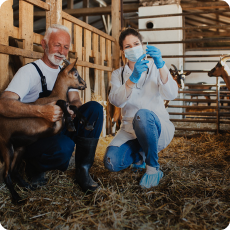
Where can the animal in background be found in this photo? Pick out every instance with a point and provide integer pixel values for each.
(115, 113)
(221, 70)
(179, 78)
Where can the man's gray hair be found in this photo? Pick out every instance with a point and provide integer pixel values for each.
(53, 29)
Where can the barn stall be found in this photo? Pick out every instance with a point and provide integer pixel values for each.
(193, 194)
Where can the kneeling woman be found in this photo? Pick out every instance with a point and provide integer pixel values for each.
(139, 89)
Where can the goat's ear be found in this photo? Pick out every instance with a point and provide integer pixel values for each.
(69, 67)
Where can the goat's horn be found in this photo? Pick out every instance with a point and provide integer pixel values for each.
(66, 61)
(174, 67)
(225, 58)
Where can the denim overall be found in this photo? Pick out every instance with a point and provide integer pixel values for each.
(54, 152)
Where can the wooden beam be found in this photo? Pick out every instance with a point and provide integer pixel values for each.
(4, 49)
(191, 56)
(85, 6)
(39, 4)
(204, 5)
(179, 14)
(193, 40)
(116, 27)
(70, 4)
(94, 66)
(204, 19)
(86, 26)
(26, 24)
(207, 34)
(189, 28)
(6, 27)
(54, 16)
(87, 49)
(96, 61)
(92, 11)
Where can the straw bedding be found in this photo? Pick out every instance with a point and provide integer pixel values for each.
(193, 194)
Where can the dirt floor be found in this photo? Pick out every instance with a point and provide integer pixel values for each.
(193, 194)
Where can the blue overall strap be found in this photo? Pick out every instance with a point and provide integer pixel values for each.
(43, 78)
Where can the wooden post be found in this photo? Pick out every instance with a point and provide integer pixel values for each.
(85, 5)
(54, 16)
(109, 63)
(217, 105)
(6, 24)
(26, 20)
(101, 72)
(116, 27)
(70, 4)
(78, 49)
(96, 61)
(87, 47)
(68, 24)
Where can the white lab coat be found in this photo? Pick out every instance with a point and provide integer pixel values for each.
(151, 96)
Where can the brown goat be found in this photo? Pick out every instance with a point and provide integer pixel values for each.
(220, 71)
(179, 78)
(19, 132)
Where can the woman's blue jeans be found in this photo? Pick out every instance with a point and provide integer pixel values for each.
(147, 128)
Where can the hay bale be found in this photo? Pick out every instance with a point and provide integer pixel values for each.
(193, 194)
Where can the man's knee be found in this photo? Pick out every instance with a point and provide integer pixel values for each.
(94, 107)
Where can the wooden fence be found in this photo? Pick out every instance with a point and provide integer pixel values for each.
(202, 114)
(88, 42)
(92, 46)
(189, 117)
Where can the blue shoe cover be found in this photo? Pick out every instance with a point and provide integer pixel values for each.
(151, 180)
(142, 166)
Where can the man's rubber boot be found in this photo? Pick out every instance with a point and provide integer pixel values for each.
(84, 158)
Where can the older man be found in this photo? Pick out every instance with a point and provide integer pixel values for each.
(27, 86)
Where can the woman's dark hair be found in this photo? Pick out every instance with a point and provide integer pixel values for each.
(128, 31)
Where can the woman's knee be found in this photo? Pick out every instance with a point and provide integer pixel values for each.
(110, 161)
(141, 114)
(145, 118)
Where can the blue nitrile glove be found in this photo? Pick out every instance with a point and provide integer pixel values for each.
(151, 178)
(155, 53)
(136, 167)
(139, 67)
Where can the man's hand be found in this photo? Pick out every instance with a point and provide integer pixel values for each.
(51, 112)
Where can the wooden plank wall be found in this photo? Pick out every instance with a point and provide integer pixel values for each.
(91, 43)
(91, 46)
(88, 43)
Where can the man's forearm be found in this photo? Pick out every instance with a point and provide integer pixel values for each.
(15, 109)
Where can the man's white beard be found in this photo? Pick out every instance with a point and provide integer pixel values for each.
(53, 59)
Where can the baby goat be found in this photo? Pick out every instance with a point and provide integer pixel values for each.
(18, 132)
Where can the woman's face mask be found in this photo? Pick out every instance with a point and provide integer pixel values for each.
(134, 53)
